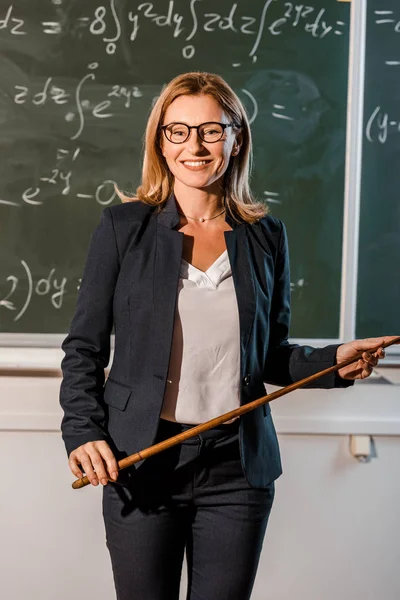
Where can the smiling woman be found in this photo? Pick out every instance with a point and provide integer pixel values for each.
(194, 275)
(221, 156)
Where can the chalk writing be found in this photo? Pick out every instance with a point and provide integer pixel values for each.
(103, 194)
(271, 197)
(42, 287)
(59, 96)
(380, 126)
(105, 22)
(387, 17)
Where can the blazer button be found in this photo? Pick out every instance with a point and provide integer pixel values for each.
(246, 380)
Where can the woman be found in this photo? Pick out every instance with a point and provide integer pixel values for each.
(194, 275)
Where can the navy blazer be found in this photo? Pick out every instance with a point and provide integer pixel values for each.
(130, 281)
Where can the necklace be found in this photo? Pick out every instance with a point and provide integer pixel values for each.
(201, 219)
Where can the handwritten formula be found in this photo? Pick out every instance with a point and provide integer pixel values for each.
(50, 287)
(112, 25)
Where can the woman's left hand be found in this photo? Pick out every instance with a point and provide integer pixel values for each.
(364, 366)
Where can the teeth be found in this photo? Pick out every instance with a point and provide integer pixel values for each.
(196, 163)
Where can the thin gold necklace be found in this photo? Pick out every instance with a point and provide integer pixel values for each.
(201, 219)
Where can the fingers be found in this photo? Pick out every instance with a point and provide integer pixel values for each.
(369, 359)
(94, 458)
(73, 465)
(109, 459)
(372, 359)
(88, 466)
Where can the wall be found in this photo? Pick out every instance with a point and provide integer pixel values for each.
(333, 527)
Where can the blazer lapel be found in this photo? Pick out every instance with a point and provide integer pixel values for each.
(237, 244)
(167, 263)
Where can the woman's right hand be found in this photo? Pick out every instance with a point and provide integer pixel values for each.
(92, 457)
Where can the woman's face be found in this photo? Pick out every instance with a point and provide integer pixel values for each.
(195, 163)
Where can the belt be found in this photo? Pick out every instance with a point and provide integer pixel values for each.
(171, 428)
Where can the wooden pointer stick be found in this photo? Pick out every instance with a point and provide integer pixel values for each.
(177, 439)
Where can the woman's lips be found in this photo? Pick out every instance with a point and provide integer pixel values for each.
(192, 166)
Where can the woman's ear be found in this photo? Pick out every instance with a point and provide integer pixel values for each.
(237, 144)
(161, 146)
(235, 149)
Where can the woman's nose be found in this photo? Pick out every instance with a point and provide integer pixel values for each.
(195, 142)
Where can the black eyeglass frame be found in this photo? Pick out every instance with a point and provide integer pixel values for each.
(190, 127)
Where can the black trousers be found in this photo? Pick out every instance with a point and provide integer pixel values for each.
(193, 496)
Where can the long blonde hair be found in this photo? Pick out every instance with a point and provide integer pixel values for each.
(157, 180)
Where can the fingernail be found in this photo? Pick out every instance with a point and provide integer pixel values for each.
(95, 482)
(114, 475)
(104, 481)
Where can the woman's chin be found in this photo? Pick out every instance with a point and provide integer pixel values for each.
(196, 181)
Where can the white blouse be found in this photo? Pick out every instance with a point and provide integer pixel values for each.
(204, 368)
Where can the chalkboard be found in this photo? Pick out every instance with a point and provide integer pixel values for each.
(77, 82)
(378, 293)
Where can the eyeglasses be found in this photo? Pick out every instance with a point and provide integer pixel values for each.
(210, 132)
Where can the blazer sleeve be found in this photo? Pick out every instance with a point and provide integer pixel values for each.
(87, 345)
(287, 363)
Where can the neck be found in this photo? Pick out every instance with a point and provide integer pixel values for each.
(199, 203)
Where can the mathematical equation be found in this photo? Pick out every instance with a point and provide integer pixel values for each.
(380, 126)
(82, 106)
(50, 287)
(59, 95)
(110, 26)
(104, 193)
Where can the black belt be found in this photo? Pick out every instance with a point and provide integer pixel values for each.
(171, 428)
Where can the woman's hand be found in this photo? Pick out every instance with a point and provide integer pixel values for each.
(91, 456)
(364, 366)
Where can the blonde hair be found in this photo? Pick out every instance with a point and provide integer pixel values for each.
(157, 180)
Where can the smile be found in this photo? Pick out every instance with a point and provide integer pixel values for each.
(195, 165)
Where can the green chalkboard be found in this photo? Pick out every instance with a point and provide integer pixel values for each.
(378, 297)
(77, 82)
